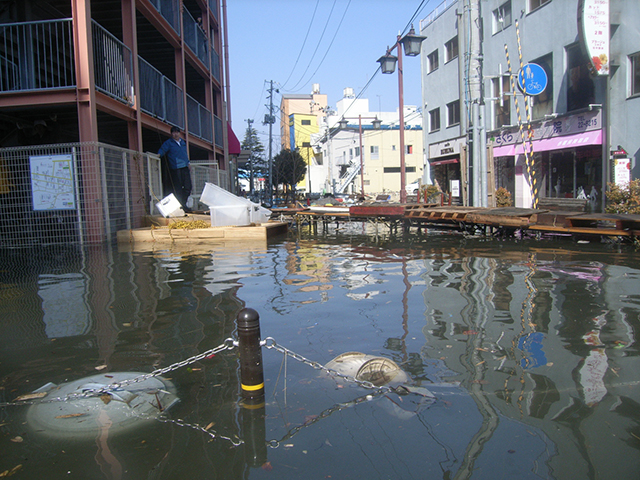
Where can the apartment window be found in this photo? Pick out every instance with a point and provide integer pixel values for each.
(374, 152)
(501, 90)
(306, 145)
(543, 103)
(451, 49)
(635, 73)
(453, 113)
(408, 149)
(306, 122)
(434, 120)
(533, 4)
(432, 61)
(357, 151)
(502, 17)
(407, 169)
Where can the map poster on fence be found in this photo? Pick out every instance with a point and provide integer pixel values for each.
(52, 182)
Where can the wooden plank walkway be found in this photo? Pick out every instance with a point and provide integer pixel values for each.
(536, 220)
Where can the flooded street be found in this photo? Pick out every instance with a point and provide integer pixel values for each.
(522, 358)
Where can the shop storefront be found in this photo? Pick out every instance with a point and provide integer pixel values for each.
(567, 159)
(447, 166)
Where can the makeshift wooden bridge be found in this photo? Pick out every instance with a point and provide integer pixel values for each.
(490, 220)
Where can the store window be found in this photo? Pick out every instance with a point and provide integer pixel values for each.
(453, 113)
(432, 61)
(502, 17)
(434, 120)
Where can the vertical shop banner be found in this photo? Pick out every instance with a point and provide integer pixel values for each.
(593, 24)
(622, 171)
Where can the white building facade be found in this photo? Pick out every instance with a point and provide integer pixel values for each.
(339, 144)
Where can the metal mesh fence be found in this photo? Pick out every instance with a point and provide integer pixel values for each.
(74, 193)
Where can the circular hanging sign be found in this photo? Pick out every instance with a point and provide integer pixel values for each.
(532, 79)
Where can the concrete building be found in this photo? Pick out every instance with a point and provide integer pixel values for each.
(301, 127)
(313, 103)
(115, 74)
(339, 145)
(577, 130)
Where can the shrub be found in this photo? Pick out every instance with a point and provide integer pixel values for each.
(623, 199)
(432, 193)
(503, 197)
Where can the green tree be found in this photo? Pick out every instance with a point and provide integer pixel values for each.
(257, 165)
(289, 169)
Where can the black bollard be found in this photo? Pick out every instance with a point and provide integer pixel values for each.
(254, 434)
(251, 375)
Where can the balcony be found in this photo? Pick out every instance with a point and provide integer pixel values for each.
(36, 56)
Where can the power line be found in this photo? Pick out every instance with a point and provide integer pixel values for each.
(303, 43)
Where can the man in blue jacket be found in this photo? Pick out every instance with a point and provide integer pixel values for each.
(176, 151)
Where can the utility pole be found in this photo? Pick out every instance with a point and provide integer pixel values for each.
(474, 85)
(249, 136)
(270, 119)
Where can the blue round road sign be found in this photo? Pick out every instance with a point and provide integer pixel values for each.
(532, 79)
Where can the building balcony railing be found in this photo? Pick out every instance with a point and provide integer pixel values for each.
(113, 65)
(217, 131)
(36, 55)
(199, 120)
(195, 38)
(40, 56)
(159, 96)
(170, 11)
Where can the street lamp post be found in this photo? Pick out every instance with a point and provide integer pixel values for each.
(376, 125)
(412, 44)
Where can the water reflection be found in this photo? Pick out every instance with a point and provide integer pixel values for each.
(530, 351)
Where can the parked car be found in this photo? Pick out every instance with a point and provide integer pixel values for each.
(413, 188)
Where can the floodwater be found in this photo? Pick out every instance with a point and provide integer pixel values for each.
(528, 349)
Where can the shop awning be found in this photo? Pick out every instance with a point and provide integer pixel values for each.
(234, 144)
(444, 162)
(593, 137)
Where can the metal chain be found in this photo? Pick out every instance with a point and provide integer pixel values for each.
(228, 344)
(324, 414)
(270, 343)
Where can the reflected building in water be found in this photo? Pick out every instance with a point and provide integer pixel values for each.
(503, 325)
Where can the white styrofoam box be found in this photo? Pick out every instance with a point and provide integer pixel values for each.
(259, 214)
(229, 215)
(214, 196)
(169, 206)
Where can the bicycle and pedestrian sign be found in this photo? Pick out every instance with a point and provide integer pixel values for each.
(532, 79)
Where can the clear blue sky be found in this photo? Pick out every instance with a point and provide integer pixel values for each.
(335, 43)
